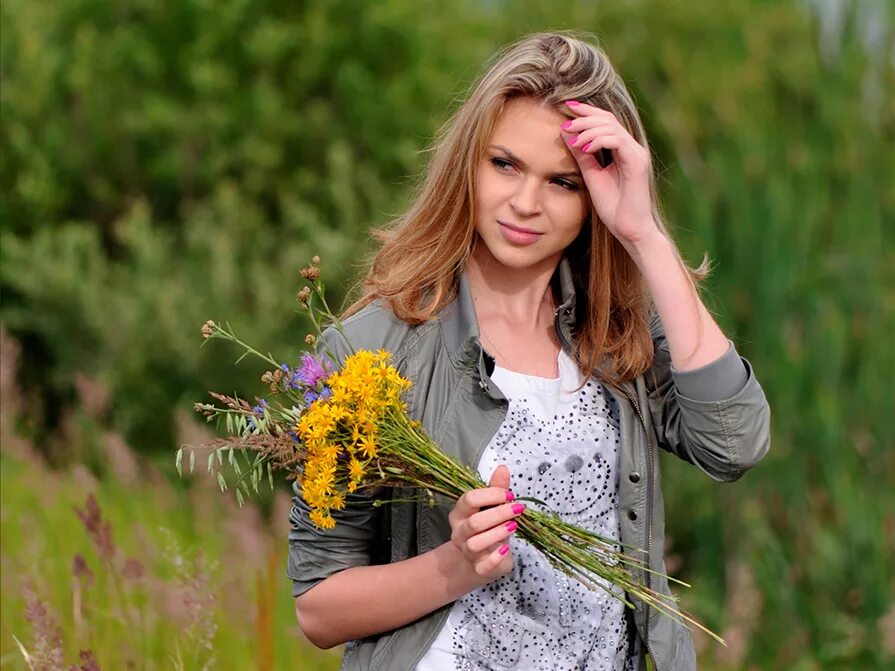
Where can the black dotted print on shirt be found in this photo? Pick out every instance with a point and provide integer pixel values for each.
(536, 617)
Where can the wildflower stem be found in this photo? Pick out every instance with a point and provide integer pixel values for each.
(229, 335)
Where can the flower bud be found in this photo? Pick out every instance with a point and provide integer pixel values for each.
(207, 329)
(310, 339)
(304, 295)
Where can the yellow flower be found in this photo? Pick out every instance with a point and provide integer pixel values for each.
(337, 502)
(368, 446)
(356, 470)
(322, 520)
(365, 392)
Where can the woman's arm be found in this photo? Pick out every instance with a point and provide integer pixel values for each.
(367, 600)
(694, 338)
(622, 197)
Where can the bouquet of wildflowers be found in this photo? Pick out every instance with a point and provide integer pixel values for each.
(342, 427)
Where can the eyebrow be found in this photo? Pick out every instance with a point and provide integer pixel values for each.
(516, 159)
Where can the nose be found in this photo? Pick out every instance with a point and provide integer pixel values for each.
(525, 198)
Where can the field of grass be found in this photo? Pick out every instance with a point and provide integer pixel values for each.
(143, 573)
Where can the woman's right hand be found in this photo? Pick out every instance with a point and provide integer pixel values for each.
(481, 522)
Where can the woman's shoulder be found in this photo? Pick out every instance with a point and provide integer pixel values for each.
(375, 327)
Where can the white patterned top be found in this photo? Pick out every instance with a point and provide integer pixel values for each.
(561, 447)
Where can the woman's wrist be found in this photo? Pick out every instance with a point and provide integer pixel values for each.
(460, 576)
(649, 247)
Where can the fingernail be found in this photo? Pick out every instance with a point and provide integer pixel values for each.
(518, 508)
(571, 140)
(567, 125)
(511, 526)
(584, 148)
(510, 495)
(572, 103)
(503, 549)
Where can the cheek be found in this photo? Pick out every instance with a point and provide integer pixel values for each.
(490, 189)
(571, 213)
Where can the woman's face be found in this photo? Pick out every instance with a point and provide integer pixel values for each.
(530, 199)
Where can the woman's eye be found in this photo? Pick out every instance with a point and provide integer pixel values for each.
(571, 186)
(500, 163)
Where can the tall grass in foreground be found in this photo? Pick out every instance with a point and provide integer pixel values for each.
(170, 588)
(141, 573)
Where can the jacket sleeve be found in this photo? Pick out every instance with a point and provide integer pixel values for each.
(316, 554)
(715, 417)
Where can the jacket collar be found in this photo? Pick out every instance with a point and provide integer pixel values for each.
(460, 327)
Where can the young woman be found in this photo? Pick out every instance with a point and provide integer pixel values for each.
(555, 340)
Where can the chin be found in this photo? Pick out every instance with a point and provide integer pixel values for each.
(519, 258)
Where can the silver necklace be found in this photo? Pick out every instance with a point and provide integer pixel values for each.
(496, 348)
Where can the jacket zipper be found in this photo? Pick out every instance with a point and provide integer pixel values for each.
(567, 346)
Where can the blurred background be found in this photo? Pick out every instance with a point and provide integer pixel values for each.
(167, 162)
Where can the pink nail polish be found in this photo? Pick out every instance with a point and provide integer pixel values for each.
(511, 526)
(510, 495)
(572, 103)
(518, 508)
(584, 148)
(567, 125)
(503, 549)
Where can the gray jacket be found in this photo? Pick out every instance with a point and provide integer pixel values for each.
(715, 417)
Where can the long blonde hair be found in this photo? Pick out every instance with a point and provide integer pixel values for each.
(424, 250)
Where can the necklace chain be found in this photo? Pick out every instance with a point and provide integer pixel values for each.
(497, 350)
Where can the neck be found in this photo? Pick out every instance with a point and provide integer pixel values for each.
(518, 296)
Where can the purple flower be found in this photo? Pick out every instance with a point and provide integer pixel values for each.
(259, 411)
(312, 395)
(312, 370)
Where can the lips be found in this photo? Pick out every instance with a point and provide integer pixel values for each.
(517, 235)
(520, 229)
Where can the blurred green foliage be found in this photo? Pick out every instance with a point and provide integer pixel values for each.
(164, 163)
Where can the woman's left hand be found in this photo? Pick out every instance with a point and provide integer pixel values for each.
(620, 192)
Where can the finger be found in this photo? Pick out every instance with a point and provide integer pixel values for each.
(602, 142)
(500, 477)
(486, 539)
(492, 517)
(588, 135)
(580, 109)
(583, 123)
(490, 562)
(627, 149)
(473, 500)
